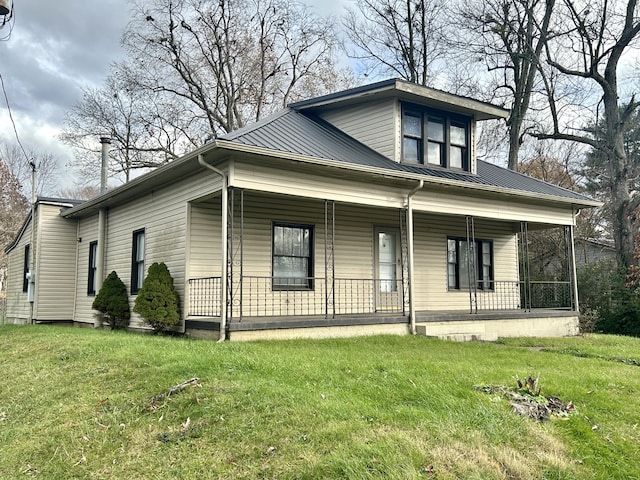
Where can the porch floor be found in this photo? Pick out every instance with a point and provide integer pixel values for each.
(426, 316)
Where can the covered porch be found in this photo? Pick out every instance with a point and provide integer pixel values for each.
(359, 260)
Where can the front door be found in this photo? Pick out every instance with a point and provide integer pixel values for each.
(387, 284)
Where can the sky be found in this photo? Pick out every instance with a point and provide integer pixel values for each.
(51, 51)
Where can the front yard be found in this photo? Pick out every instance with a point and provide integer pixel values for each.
(79, 403)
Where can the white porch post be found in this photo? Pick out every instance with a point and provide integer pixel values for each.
(574, 272)
(412, 306)
(223, 242)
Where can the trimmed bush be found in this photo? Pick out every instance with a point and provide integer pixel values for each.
(113, 302)
(157, 302)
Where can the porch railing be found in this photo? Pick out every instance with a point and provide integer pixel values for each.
(204, 297)
(351, 296)
(516, 295)
(259, 297)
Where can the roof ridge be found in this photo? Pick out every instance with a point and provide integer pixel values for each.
(255, 125)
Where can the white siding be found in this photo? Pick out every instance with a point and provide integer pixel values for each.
(163, 216)
(430, 199)
(430, 241)
(88, 232)
(370, 123)
(18, 307)
(204, 257)
(354, 253)
(56, 265)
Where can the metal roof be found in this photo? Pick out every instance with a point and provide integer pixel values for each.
(305, 134)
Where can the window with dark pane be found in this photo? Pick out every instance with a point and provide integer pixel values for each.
(93, 268)
(137, 261)
(436, 138)
(292, 256)
(469, 261)
(412, 137)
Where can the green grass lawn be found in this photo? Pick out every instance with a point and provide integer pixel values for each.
(75, 403)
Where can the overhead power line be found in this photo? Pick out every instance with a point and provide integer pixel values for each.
(15, 130)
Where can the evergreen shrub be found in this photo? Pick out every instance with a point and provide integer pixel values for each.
(113, 302)
(158, 302)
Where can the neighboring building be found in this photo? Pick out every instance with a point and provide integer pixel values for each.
(364, 211)
(590, 251)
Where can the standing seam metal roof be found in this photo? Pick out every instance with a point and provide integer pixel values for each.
(305, 134)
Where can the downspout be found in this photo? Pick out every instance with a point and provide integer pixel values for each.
(412, 307)
(223, 276)
(32, 248)
(100, 257)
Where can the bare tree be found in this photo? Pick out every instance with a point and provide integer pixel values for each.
(20, 168)
(590, 41)
(510, 35)
(86, 192)
(401, 38)
(13, 208)
(230, 61)
(141, 124)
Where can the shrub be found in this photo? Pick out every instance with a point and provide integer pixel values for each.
(113, 302)
(158, 302)
(610, 304)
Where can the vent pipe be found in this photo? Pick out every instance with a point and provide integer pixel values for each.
(105, 141)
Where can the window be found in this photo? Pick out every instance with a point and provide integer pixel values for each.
(461, 256)
(292, 256)
(435, 138)
(137, 261)
(25, 270)
(93, 268)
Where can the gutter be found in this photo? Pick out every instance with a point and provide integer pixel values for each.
(224, 256)
(412, 307)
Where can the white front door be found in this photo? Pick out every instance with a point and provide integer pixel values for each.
(387, 268)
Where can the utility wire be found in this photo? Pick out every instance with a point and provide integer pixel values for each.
(15, 130)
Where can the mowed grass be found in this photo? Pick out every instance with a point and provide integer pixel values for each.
(75, 403)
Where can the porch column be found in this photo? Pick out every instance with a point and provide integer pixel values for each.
(404, 253)
(224, 246)
(574, 273)
(471, 265)
(526, 268)
(412, 303)
(235, 252)
(329, 258)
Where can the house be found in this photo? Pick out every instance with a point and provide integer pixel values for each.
(364, 211)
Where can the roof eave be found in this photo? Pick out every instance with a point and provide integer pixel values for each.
(407, 91)
(139, 182)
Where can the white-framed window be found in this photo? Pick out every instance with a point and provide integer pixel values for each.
(463, 258)
(25, 269)
(93, 268)
(137, 261)
(292, 256)
(431, 137)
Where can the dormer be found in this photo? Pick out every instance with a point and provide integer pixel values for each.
(408, 123)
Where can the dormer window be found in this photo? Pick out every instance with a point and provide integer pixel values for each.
(430, 137)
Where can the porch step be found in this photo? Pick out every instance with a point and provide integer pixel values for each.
(459, 336)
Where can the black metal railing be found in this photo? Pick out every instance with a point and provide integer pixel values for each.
(368, 295)
(550, 295)
(516, 295)
(204, 297)
(256, 296)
